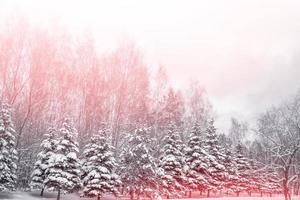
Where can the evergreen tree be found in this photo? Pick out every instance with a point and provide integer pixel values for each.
(197, 161)
(232, 174)
(98, 167)
(171, 164)
(271, 180)
(64, 172)
(49, 147)
(8, 153)
(217, 169)
(243, 168)
(255, 176)
(138, 169)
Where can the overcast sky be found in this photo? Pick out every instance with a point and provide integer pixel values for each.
(246, 53)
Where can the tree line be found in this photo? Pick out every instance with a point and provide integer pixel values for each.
(145, 167)
(47, 76)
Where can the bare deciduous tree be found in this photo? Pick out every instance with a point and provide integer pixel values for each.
(279, 128)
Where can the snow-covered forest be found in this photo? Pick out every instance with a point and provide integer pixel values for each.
(76, 121)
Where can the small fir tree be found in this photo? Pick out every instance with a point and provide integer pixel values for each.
(99, 167)
(64, 170)
(48, 149)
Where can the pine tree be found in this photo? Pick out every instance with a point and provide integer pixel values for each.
(243, 168)
(197, 161)
(98, 167)
(138, 169)
(232, 174)
(217, 169)
(64, 172)
(49, 146)
(255, 176)
(8, 153)
(171, 164)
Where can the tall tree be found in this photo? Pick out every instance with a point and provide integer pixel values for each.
(279, 128)
(216, 166)
(8, 153)
(243, 168)
(238, 131)
(173, 109)
(198, 106)
(172, 165)
(232, 174)
(197, 160)
(138, 169)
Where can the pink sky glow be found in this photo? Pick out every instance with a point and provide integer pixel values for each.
(245, 53)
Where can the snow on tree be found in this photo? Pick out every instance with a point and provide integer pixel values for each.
(8, 153)
(216, 158)
(271, 180)
(197, 160)
(256, 178)
(279, 129)
(138, 170)
(243, 168)
(98, 170)
(64, 170)
(231, 169)
(171, 164)
(48, 149)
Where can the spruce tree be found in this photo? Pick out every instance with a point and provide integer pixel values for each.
(243, 167)
(8, 153)
(255, 176)
(64, 170)
(217, 169)
(48, 149)
(271, 180)
(99, 167)
(197, 161)
(231, 169)
(171, 164)
(138, 169)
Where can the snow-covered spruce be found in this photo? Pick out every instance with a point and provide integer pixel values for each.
(64, 169)
(48, 149)
(8, 153)
(243, 168)
(216, 168)
(197, 161)
(98, 170)
(171, 165)
(138, 169)
(231, 169)
(255, 177)
(272, 180)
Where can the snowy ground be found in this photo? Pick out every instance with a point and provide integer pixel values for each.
(52, 196)
(47, 196)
